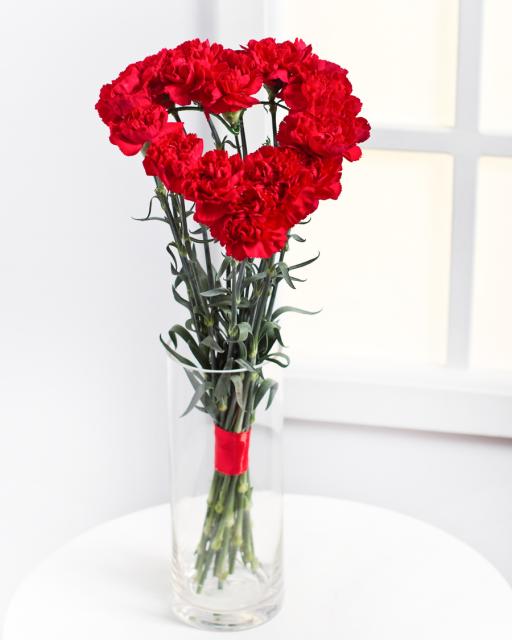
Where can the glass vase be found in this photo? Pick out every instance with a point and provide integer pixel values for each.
(226, 495)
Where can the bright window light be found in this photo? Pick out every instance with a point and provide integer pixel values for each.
(382, 278)
(401, 55)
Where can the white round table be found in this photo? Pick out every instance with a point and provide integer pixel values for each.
(352, 571)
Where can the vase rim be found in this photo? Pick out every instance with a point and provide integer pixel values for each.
(202, 370)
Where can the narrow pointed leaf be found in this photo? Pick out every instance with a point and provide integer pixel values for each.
(238, 384)
(287, 309)
(305, 263)
(210, 293)
(211, 343)
(174, 353)
(198, 393)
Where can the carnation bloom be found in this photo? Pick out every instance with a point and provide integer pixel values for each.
(317, 87)
(326, 176)
(271, 191)
(326, 135)
(249, 204)
(172, 154)
(212, 184)
(140, 125)
(249, 231)
(248, 236)
(278, 61)
(283, 173)
(120, 96)
(185, 73)
(237, 78)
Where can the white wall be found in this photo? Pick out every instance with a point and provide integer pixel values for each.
(84, 289)
(84, 294)
(462, 484)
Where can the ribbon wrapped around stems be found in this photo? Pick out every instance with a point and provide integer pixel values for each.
(231, 451)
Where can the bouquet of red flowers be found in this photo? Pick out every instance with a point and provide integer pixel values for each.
(249, 203)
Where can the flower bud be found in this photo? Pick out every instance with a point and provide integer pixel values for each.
(233, 117)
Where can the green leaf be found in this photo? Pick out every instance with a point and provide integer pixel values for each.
(198, 394)
(211, 343)
(171, 253)
(257, 276)
(199, 240)
(243, 330)
(187, 337)
(223, 267)
(245, 364)
(151, 219)
(281, 359)
(174, 353)
(180, 299)
(273, 331)
(267, 385)
(237, 382)
(243, 350)
(222, 386)
(210, 293)
(287, 309)
(194, 376)
(295, 236)
(149, 211)
(283, 270)
(305, 263)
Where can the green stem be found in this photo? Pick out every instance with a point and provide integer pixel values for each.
(273, 115)
(275, 284)
(189, 259)
(208, 257)
(215, 135)
(237, 275)
(278, 104)
(182, 251)
(239, 150)
(176, 109)
(226, 124)
(242, 135)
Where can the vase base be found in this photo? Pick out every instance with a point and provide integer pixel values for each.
(226, 620)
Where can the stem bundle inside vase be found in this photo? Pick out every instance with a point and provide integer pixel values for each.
(232, 214)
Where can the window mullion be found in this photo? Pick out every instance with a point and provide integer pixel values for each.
(465, 183)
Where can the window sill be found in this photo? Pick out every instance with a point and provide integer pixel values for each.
(428, 398)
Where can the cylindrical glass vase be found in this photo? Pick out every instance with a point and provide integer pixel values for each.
(226, 495)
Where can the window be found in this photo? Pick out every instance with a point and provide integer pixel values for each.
(416, 252)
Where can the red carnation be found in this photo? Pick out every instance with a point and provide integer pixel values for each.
(212, 184)
(325, 176)
(283, 173)
(125, 105)
(122, 95)
(249, 232)
(278, 61)
(139, 126)
(249, 205)
(236, 78)
(185, 73)
(172, 155)
(108, 105)
(317, 87)
(331, 135)
(273, 190)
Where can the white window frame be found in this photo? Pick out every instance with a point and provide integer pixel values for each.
(450, 398)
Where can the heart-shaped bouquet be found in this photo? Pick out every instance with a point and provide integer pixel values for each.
(247, 202)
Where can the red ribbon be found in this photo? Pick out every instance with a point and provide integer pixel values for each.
(231, 451)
